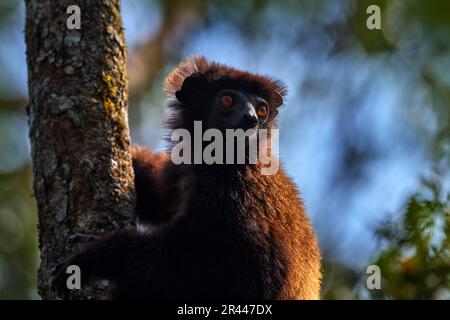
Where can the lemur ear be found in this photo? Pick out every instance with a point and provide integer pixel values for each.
(278, 99)
(189, 87)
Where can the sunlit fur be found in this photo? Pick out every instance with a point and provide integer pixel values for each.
(209, 231)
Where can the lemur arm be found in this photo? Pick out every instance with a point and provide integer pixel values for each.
(112, 257)
(147, 165)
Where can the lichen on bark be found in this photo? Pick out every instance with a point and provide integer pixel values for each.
(78, 91)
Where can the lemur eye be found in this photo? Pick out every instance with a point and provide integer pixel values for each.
(261, 111)
(226, 101)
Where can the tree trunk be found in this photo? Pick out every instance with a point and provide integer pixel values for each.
(83, 177)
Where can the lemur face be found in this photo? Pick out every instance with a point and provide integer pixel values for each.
(223, 98)
(235, 109)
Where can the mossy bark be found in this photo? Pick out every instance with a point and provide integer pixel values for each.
(78, 91)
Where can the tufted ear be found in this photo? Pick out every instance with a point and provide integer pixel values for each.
(190, 86)
(278, 99)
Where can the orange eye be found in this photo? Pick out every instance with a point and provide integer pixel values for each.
(226, 101)
(261, 111)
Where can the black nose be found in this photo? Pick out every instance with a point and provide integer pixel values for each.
(250, 120)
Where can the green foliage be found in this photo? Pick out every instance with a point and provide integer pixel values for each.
(18, 239)
(415, 264)
(7, 8)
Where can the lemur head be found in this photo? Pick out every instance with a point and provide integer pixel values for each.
(222, 97)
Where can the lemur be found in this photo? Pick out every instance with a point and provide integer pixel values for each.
(210, 230)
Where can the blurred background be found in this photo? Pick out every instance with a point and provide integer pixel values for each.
(365, 130)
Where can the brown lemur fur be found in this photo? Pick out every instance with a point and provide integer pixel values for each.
(210, 231)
